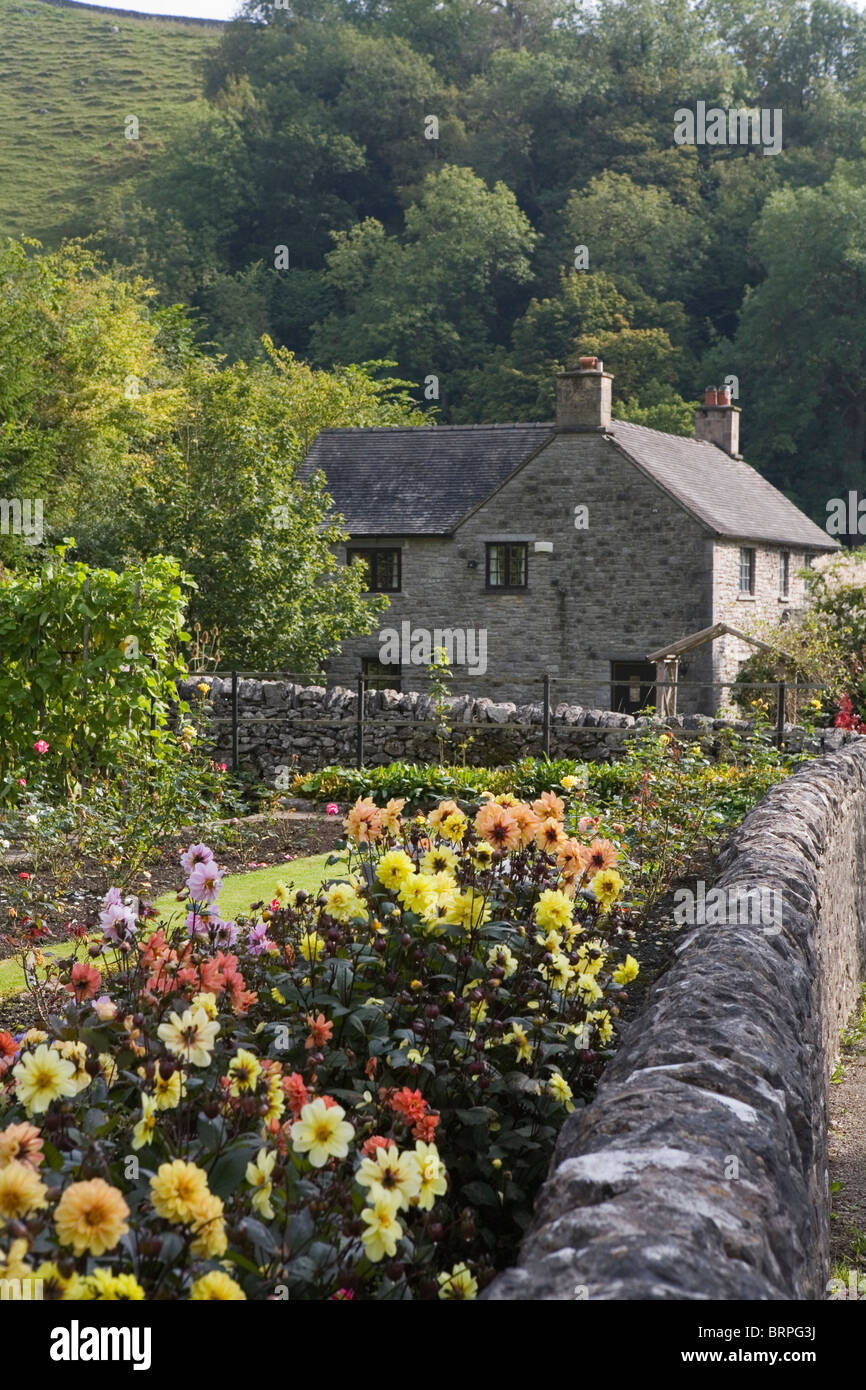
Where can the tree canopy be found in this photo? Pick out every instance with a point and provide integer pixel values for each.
(137, 444)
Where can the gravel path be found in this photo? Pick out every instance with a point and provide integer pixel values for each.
(848, 1151)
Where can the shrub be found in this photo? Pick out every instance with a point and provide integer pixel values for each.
(424, 783)
(118, 821)
(89, 665)
(352, 1095)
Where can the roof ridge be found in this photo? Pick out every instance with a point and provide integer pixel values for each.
(440, 429)
(666, 434)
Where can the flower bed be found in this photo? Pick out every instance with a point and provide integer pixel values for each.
(349, 1095)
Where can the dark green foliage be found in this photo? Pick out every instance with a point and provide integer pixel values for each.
(455, 257)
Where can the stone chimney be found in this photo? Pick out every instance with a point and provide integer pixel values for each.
(583, 396)
(718, 422)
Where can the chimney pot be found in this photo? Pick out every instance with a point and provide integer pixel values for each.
(718, 422)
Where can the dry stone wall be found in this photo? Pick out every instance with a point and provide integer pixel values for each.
(700, 1170)
(306, 727)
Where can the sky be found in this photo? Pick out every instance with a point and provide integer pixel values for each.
(197, 9)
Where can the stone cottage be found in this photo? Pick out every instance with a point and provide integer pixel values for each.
(571, 548)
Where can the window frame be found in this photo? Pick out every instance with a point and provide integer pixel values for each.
(507, 546)
(784, 574)
(381, 674)
(371, 554)
(750, 551)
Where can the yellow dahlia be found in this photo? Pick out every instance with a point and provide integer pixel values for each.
(192, 1035)
(216, 1287)
(108, 1287)
(244, 1070)
(91, 1217)
(76, 1053)
(626, 972)
(440, 860)
(431, 1172)
(176, 1189)
(554, 910)
(14, 1265)
(43, 1076)
(322, 1132)
(453, 827)
(459, 1284)
(343, 904)
(418, 895)
(21, 1191)
(607, 887)
(391, 1172)
(383, 1227)
(209, 1228)
(145, 1129)
(168, 1092)
(258, 1175)
(394, 868)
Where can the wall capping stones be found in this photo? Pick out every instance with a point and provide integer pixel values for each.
(730, 1060)
(307, 727)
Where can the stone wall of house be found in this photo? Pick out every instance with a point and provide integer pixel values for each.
(288, 726)
(639, 575)
(740, 610)
(700, 1170)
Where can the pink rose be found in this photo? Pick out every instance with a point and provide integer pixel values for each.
(40, 746)
(332, 809)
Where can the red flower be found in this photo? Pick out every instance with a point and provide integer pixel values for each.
(40, 746)
(425, 1128)
(24, 876)
(8, 1045)
(242, 999)
(411, 1105)
(296, 1092)
(375, 1142)
(85, 981)
(846, 718)
(320, 1031)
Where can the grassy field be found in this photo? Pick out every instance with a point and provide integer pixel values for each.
(68, 80)
(239, 890)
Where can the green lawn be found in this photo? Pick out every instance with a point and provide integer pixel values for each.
(239, 890)
(67, 84)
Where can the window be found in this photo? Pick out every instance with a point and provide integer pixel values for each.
(507, 565)
(807, 560)
(747, 571)
(632, 685)
(784, 573)
(383, 568)
(380, 675)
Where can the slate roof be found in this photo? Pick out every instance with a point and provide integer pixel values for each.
(423, 480)
(728, 495)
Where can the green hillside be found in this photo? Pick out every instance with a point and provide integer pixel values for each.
(68, 80)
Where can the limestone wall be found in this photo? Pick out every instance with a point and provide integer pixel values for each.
(283, 725)
(700, 1170)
